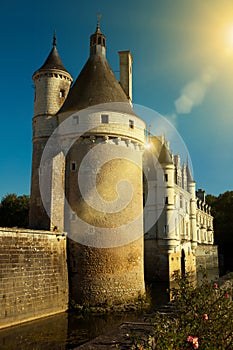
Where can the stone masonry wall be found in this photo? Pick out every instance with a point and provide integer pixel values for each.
(105, 275)
(207, 262)
(33, 275)
(156, 262)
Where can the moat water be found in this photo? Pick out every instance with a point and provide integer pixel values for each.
(67, 331)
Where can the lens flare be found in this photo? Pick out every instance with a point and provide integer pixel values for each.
(229, 38)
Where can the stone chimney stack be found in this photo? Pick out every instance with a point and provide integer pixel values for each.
(126, 61)
(201, 195)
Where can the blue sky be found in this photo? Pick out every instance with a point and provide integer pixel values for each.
(183, 69)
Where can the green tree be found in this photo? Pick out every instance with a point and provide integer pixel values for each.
(222, 210)
(14, 211)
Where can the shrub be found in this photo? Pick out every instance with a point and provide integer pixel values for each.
(202, 319)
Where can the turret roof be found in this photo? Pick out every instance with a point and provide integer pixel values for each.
(165, 156)
(53, 60)
(161, 150)
(96, 84)
(189, 174)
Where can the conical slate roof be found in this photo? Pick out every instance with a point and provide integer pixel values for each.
(165, 156)
(53, 60)
(96, 84)
(161, 151)
(189, 174)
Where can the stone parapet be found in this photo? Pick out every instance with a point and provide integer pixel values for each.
(33, 275)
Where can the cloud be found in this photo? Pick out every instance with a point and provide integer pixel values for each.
(194, 92)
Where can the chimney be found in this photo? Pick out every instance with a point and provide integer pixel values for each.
(126, 61)
(201, 195)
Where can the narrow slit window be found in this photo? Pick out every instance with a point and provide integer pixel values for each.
(76, 119)
(62, 93)
(181, 201)
(73, 166)
(131, 124)
(73, 217)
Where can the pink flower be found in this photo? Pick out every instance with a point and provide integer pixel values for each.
(195, 343)
(189, 338)
(205, 316)
(227, 295)
(215, 285)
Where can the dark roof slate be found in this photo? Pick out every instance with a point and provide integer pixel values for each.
(53, 61)
(96, 84)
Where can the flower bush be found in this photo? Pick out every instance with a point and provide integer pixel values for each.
(202, 319)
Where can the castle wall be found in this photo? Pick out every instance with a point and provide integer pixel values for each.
(161, 264)
(33, 275)
(156, 262)
(105, 275)
(207, 261)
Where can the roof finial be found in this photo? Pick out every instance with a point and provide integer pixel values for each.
(54, 39)
(99, 16)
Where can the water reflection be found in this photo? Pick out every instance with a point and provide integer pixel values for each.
(60, 332)
(66, 331)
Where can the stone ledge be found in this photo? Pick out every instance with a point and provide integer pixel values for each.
(25, 230)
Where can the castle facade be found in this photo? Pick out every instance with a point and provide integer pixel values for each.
(181, 239)
(89, 156)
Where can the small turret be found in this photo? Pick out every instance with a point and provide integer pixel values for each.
(52, 82)
(97, 42)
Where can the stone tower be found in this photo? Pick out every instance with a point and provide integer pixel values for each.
(93, 186)
(104, 164)
(52, 82)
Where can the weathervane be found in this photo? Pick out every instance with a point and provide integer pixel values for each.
(99, 16)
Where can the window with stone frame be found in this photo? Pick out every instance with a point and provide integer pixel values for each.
(104, 118)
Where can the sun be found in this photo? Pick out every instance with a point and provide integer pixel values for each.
(229, 37)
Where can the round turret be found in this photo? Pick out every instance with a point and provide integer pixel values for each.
(52, 82)
(104, 209)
